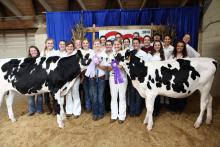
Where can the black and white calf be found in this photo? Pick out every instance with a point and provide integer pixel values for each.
(172, 78)
(30, 76)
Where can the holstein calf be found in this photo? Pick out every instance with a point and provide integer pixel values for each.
(171, 78)
(30, 76)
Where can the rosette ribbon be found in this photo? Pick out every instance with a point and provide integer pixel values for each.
(117, 74)
(90, 72)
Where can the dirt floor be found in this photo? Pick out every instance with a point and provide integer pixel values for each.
(169, 129)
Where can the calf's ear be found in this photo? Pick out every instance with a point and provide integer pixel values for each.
(79, 54)
(118, 57)
(127, 54)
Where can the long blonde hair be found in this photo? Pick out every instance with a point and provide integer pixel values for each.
(45, 48)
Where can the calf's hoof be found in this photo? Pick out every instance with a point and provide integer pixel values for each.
(13, 120)
(197, 125)
(149, 128)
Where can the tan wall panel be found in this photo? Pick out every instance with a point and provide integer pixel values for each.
(210, 45)
(15, 43)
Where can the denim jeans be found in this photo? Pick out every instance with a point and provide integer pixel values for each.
(135, 101)
(97, 87)
(86, 88)
(38, 107)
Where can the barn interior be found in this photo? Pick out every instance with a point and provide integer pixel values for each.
(23, 23)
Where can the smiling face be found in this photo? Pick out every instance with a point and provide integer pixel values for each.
(97, 45)
(179, 47)
(136, 44)
(146, 41)
(186, 38)
(167, 40)
(85, 44)
(62, 46)
(78, 44)
(33, 52)
(49, 44)
(108, 46)
(157, 46)
(117, 45)
(69, 49)
(126, 43)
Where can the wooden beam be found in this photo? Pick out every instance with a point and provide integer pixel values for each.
(143, 4)
(11, 6)
(183, 3)
(97, 29)
(45, 5)
(81, 4)
(120, 4)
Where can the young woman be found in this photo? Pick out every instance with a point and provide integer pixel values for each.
(97, 80)
(62, 48)
(192, 53)
(48, 52)
(73, 104)
(167, 47)
(157, 55)
(126, 43)
(180, 51)
(118, 107)
(33, 52)
(49, 49)
(77, 44)
(103, 41)
(85, 80)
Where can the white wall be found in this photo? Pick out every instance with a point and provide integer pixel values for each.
(209, 44)
(15, 43)
(40, 37)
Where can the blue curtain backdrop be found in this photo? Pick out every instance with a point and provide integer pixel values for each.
(184, 19)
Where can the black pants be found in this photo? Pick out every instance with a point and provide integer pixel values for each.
(157, 105)
(107, 96)
(177, 105)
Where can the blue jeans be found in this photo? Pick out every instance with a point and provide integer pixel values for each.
(39, 104)
(96, 90)
(135, 100)
(87, 94)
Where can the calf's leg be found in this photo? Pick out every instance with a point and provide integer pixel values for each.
(9, 102)
(209, 110)
(150, 109)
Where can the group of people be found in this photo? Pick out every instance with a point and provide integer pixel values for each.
(105, 86)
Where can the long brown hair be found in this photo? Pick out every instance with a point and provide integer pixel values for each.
(32, 46)
(184, 52)
(162, 57)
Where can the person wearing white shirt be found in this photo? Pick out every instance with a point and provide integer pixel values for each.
(117, 87)
(97, 79)
(108, 51)
(135, 100)
(178, 105)
(73, 104)
(191, 52)
(167, 47)
(85, 80)
(48, 52)
(126, 44)
(157, 55)
(62, 48)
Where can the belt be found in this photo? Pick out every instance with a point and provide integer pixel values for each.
(101, 77)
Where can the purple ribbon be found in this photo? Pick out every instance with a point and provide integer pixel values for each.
(117, 74)
(90, 72)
